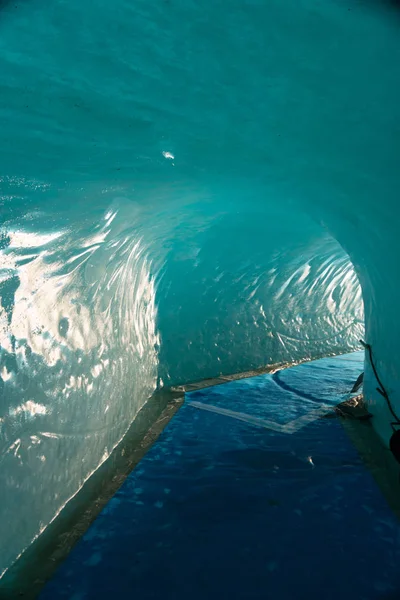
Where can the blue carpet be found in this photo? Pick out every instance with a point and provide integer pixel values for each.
(221, 508)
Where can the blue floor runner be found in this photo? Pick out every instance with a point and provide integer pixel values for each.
(221, 507)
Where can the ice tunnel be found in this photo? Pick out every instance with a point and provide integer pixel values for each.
(187, 188)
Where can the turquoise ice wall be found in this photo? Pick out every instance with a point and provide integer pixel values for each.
(184, 190)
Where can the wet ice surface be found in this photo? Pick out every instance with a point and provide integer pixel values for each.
(178, 184)
(222, 508)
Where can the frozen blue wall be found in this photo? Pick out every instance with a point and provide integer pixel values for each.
(182, 185)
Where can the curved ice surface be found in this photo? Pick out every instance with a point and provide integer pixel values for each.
(184, 190)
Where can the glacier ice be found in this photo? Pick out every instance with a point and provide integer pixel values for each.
(186, 189)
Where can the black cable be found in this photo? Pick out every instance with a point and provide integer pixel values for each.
(382, 391)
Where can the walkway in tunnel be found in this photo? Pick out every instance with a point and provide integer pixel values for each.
(250, 492)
